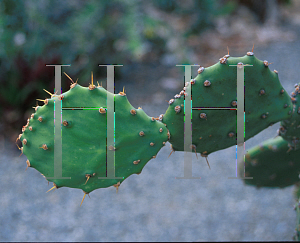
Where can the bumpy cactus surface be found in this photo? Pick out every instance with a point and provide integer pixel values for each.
(290, 128)
(271, 164)
(138, 138)
(266, 102)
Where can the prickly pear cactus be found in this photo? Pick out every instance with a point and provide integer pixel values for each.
(138, 138)
(266, 102)
(297, 229)
(296, 236)
(271, 164)
(290, 128)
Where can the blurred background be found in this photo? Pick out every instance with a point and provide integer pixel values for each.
(149, 38)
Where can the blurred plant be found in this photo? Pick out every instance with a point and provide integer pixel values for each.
(262, 8)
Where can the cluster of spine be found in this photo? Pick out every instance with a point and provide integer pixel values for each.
(138, 138)
(271, 164)
(214, 88)
(290, 128)
(275, 163)
(280, 167)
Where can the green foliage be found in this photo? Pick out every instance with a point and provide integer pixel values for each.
(203, 12)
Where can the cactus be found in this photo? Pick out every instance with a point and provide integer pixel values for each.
(271, 164)
(289, 129)
(138, 138)
(266, 102)
(275, 163)
(297, 229)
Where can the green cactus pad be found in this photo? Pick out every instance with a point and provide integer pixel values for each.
(290, 128)
(138, 138)
(271, 164)
(266, 102)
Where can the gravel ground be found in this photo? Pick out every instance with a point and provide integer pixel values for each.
(154, 206)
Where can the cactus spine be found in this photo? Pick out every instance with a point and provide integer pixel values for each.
(138, 138)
